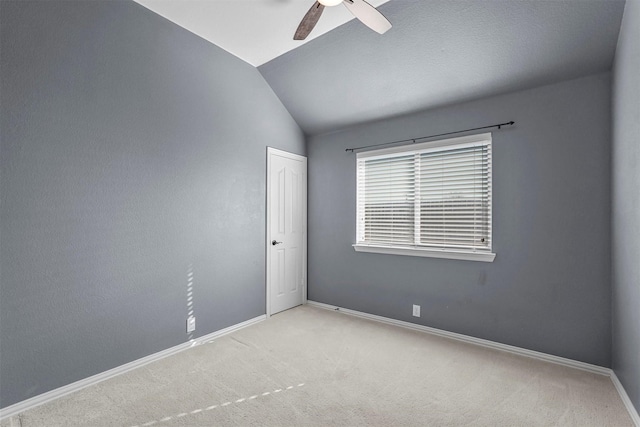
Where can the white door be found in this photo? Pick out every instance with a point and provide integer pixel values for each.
(286, 230)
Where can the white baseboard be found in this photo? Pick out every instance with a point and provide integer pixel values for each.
(466, 338)
(625, 399)
(498, 346)
(43, 398)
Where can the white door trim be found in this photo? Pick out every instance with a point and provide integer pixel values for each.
(271, 151)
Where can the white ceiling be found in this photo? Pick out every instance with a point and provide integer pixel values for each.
(438, 52)
(253, 30)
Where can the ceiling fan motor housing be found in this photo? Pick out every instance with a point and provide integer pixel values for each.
(329, 2)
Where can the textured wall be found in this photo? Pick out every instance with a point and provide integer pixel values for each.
(626, 204)
(549, 286)
(131, 150)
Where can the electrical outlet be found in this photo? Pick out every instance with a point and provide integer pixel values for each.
(416, 310)
(191, 324)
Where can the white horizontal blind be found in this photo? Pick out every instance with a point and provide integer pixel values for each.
(386, 205)
(433, 196)
(455, 198)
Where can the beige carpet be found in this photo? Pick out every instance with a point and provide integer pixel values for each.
(308, 366)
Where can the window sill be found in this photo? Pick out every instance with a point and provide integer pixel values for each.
(467, 256)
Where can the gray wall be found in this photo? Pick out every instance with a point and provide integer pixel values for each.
(626, 204)
(549, 286)
(130, 151)
(441, 52)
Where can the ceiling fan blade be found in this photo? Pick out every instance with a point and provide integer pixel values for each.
(368, 15)
(309, 21)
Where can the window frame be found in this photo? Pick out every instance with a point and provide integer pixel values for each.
(438, 145)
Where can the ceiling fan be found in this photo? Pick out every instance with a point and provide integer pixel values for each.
(362, 10)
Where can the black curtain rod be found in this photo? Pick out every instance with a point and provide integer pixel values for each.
(413, 140)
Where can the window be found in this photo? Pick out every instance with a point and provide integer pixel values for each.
(430, 199)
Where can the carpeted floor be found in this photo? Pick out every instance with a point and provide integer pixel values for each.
(309, 366)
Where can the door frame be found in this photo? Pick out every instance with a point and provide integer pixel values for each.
(270, 152)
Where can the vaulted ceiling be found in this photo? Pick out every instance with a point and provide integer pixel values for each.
(438, 51)
(255, 31)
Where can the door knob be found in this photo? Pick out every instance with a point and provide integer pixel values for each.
(273, 243)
